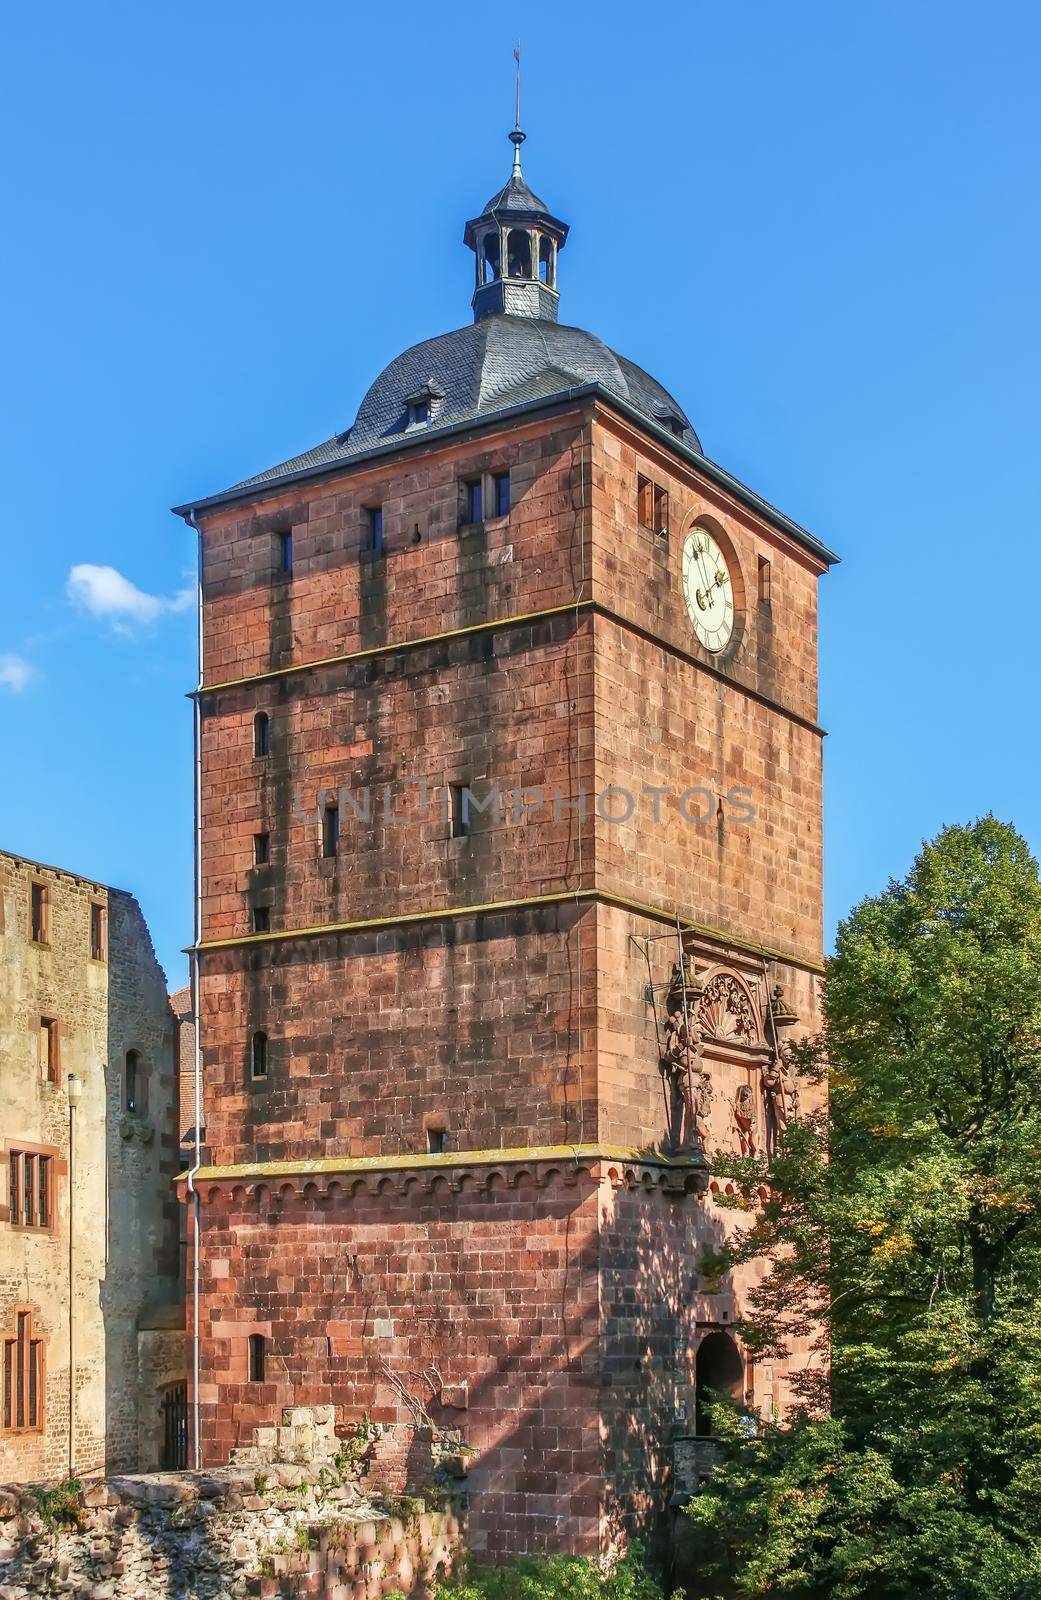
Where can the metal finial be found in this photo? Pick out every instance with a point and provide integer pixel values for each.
(517, 137)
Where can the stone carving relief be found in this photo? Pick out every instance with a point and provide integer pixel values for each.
(726, 1012)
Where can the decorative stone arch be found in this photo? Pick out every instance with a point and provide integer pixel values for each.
(134, 1082)
(728, 1008)
(720, 1368)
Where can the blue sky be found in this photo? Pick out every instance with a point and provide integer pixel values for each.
(816, 224)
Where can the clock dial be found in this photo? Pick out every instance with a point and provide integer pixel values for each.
(708, 590)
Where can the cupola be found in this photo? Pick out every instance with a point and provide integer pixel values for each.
(516, 240)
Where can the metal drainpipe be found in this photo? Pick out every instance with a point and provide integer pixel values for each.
(192, 1190)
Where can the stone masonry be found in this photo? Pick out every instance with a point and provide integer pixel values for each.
(443, 1185)
(70, 1005)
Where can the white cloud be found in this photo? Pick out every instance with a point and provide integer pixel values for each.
(105, 593)
(15, 673)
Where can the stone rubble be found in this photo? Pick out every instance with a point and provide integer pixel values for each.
(235, 1532)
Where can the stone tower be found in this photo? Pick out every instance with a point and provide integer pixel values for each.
(508, 694)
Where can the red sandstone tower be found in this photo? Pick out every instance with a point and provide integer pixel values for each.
(507, 693)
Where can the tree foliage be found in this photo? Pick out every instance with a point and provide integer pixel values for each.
(554, 1578)
(904, 1224)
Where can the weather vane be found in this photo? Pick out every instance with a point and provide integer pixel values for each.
(517, 136)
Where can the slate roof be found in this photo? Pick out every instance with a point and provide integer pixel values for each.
(515, 196)
(480, 369)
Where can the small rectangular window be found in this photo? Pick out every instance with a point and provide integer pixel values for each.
(261, 919)
(258, 1056)
(98, 932)
(40, 914)
(330, 830)
(374, 529)
(285, 553)
(502, 494)
(261, 849)
(43, 1188)
(437, 1141)
(49, 1059)
(256, 1357)
(14, 1187)
(764, 581)
(474, 511)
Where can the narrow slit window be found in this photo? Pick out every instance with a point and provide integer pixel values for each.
(502, 494)
(98, 932)
(43, 1191)
(40, 914)
(260, 919)
(645, 502)
(132, 1081)
(764, 581)
(28, 1189)
(474, 504)
(374, 530)
(258, 1056)
(49, 1052)
(437, 1141)
(285, 553)
(257, 1356)
(461, 818)
(330, 830)
(661, 511)
(14, 1187)
(261, 734)
(261, 849)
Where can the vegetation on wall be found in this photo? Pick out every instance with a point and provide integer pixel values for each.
(906, 1219)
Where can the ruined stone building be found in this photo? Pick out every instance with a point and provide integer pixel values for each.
(88, 1213)
(507, 693)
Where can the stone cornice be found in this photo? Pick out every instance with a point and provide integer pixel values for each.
(573, 608)
(474, 1170)
(717, 936)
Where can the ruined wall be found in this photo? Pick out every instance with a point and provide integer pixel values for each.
(206, 1536)
(123, 1206)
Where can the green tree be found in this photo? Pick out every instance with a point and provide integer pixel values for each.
(905, 1224)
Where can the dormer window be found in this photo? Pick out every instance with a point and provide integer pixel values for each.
(673, 421)
(420, 407)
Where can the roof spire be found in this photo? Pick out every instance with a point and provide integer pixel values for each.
(517, 137)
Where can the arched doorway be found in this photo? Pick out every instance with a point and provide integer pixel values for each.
(719, 1367)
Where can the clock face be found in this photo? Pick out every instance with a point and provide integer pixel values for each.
(708, 590)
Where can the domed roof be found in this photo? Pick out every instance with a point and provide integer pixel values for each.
(486, 367)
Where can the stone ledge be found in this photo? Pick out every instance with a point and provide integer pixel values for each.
(346, 1176)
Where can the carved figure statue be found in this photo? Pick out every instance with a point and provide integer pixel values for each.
(781, 1095)
(688, 1086)
(744, 1117)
